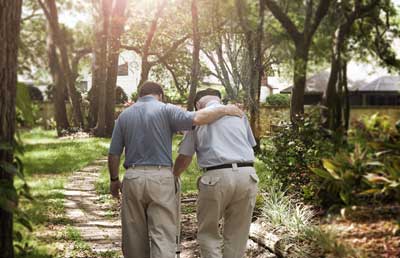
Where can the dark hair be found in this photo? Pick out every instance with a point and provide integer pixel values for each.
(206, 92)
(151, 88)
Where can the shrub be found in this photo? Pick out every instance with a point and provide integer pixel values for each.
(292, 149)
(173, 96)
(278, 100)
(295, 226)
(120, 96)
(369, 166)
(134, 96)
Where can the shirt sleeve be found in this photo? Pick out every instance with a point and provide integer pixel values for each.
(180, 120)
(250, 136)
(187, 146)
(117, 140)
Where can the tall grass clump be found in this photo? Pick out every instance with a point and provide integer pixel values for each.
(296, 226)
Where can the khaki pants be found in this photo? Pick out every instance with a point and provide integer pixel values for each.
(149, 213)
(229, 194)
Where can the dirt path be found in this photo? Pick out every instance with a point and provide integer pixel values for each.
(100, 228)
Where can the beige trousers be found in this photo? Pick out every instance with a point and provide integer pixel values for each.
(229, 194)
(149, 213)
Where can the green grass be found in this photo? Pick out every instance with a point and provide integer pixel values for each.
(45, 154)
(48, 161)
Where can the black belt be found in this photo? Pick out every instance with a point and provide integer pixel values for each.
(248, 164)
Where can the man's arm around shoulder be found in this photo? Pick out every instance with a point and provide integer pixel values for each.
(209, 115)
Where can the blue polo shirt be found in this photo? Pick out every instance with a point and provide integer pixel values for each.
(145, 131)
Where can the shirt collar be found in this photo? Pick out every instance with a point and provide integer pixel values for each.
(213, 103)
(147, 98)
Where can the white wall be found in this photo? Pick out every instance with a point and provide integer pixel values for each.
(127, 83)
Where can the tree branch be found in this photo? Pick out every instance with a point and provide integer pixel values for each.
(132, 48)
(284, 20)
(167, 53)
(153, 28)
(322, 10)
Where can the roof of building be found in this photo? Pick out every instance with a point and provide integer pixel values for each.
(318, 82)
(382, 84)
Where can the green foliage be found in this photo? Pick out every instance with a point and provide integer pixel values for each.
(48, 161)
(382, 141)
(278, 100)
(292, 149)
(25, 109)
(295, 226)
(120, 96)
(134, 96)
(10, 195)
(342, 176)
(369, 165)
(173, 96)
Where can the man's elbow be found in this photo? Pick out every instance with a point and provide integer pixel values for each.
(196, 120)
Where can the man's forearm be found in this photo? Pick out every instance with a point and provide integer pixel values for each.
(113, 165)
(182, 162)
(209, 115)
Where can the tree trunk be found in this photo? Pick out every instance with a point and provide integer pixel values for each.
(299, 78)
(255, 65)
(194, 78)
(51, 13)
(117, 23)
(59, 87)
(144, 72)
(346, 98)
(10, 17)
(100, 64)
(331, 97)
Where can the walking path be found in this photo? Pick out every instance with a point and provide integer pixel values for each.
(101, 228)
(92, 218)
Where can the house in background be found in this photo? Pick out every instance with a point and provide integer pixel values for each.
(128, 74)
(268, 85)
(383, 91)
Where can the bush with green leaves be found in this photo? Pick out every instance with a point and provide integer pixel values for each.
(173, 96)
(370, 165)
(134, 96)
(278, 100)
(120, 96)
(292, 149)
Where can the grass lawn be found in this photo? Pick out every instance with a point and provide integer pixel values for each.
(48, 161)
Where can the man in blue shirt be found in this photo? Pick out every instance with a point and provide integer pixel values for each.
(228, 186)
(149, 204)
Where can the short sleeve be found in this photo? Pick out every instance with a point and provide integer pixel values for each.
(117, 140)
(179, 119)
(187, 145)
(250, 136)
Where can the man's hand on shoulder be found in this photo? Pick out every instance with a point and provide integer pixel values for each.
(233, 110)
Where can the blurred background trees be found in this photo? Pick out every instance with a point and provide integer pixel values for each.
(183, 44)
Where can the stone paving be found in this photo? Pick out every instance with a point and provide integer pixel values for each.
(101, 231)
